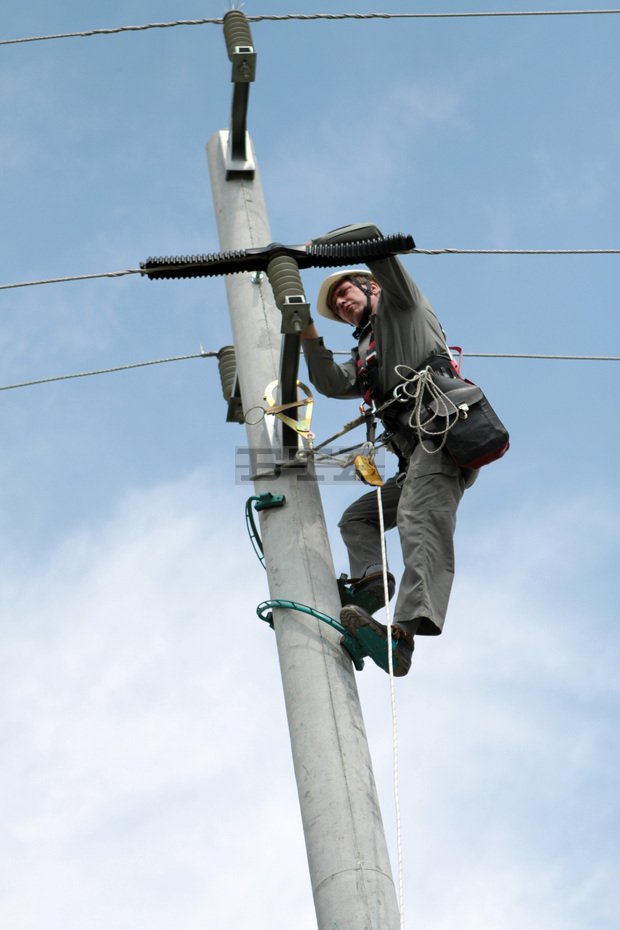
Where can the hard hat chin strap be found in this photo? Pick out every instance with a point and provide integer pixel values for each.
(366, 289)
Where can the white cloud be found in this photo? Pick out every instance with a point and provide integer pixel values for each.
(146, 762)
(142, 752)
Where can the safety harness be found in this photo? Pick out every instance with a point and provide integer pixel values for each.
(395, 416)
(418, 408)
(368, 367)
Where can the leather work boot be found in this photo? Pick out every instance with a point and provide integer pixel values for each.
(356, 619)
(373, 584)
(367, 592)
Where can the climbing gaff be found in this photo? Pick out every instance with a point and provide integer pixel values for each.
(302, 425)
(349, 641)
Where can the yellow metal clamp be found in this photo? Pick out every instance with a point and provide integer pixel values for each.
(301, 426)
(366, 470)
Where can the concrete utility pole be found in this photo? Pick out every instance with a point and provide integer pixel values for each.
(349, 865)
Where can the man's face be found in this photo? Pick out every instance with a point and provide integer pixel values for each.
(348, 301)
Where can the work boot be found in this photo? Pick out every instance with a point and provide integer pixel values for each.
(359, 622)
(373, 585)
(367, 592)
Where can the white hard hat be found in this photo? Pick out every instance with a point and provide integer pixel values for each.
(322, 301)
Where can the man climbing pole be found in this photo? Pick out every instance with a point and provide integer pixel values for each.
(394, 325)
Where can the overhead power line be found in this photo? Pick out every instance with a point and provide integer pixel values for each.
(514, 251)
(176, 266)
(77, 277)
(571, 358)
(567, 358)
(105, 371)
(181, 358)
(305, 17)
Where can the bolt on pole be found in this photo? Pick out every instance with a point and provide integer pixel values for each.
(347, 853)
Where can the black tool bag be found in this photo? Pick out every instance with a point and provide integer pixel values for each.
(473, 433)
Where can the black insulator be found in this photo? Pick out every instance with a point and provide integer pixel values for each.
(295, 257)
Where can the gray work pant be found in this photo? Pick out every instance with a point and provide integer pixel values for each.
(425, 512)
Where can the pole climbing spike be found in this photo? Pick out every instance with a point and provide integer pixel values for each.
(374, 646)
(348, 641)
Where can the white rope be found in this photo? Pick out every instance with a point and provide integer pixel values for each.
(386, 595)
(416, 385)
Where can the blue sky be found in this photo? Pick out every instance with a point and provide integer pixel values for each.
(146, 764)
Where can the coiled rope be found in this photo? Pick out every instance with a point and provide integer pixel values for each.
(418, 386)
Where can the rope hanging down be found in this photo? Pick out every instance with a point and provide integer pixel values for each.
(386, 596)
(304, 17)
(357, 646)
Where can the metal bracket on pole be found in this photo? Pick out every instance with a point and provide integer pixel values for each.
(238, 159)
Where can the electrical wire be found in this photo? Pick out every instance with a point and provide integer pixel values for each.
(105, 32)
(348, 426)
(105, 371)
(304, 17)
(572, 358)
(568, 358)
(513, 252)
(78, 277)
(119, 274)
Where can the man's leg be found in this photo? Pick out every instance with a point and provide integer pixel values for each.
(426, 521)
(360, 528)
